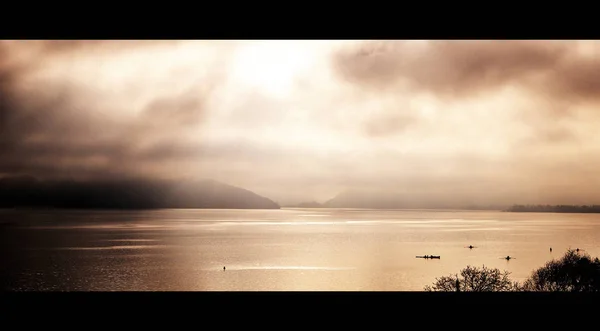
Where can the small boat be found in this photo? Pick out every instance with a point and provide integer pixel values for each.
(428, 257)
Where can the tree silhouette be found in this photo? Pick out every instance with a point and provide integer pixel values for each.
(574, 272)
(473, 279)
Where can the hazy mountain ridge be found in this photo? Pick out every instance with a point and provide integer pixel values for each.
(27, 191)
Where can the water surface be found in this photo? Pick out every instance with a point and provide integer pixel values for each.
(280, 250)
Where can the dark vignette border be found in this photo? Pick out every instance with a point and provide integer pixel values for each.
(301, 306)
(300, 21)
(232, 307)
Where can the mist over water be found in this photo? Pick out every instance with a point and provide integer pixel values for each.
(280, 250)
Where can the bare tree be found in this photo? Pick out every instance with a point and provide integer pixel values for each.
(473, 279)
(574, 272)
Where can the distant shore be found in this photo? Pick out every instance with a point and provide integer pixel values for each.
(590, 209)
(586, 209)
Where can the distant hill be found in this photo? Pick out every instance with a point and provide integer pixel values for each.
(312, 204)
(26, 191)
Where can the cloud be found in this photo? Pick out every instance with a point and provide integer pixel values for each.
(383, 126)
(458, 69)
(449, 68)
(49, 121)
(554, 79)
(303, 120)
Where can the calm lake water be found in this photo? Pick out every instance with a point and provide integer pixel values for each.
(275, 250)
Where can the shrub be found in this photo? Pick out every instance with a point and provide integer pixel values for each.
(473, 279)
(574, 272)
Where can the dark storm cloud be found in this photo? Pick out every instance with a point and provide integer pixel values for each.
(554, 75)
(6, 78)
(463, 68)
(61, 47)
(61, 128)
(447, 67)
(577, 78)
(58, 132)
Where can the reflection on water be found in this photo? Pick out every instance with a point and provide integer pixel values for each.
(110, 247)
(288, 249)
(290, 267)
(131, 240)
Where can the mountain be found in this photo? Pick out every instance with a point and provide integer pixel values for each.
(311, 204)
(26, 191)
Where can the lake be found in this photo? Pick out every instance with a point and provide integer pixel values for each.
(275, 250)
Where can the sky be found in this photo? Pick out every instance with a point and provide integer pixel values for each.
(484, 121)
